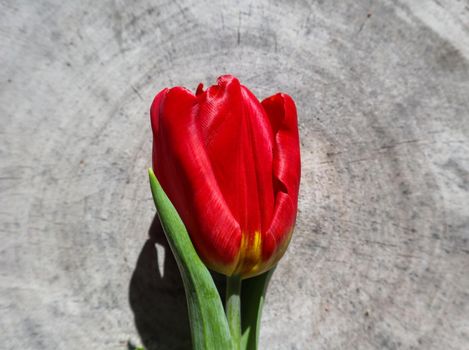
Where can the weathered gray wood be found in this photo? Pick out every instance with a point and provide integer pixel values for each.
(380, 257)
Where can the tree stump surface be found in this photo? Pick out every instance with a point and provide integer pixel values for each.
(380, 255)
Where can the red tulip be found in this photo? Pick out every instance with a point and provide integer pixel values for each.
(231, 167)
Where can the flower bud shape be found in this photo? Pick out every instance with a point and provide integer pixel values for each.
(231, 167)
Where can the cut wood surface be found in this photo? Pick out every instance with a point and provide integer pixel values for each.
(380, 255)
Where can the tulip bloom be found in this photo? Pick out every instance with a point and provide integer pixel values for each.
(231, 167)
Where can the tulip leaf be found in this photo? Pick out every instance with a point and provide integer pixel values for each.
(209, 326)
(252, 300)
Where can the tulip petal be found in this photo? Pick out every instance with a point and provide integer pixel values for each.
(286, 172)
(183, 168)
(238, 140)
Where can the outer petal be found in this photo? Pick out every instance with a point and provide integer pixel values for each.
(183, 168)
(238, 138)
(286, 172)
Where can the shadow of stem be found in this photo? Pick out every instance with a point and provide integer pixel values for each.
(158, 300)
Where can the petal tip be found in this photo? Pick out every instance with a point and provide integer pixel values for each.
(227, 79)
(200, 89)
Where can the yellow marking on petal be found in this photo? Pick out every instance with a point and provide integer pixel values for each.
(250, 255)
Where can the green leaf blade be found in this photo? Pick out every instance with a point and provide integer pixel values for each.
(209, 326)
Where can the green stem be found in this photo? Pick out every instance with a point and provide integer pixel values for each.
(252, 300)
(233, 308)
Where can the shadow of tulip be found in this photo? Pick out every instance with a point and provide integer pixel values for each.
(158, 300)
